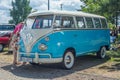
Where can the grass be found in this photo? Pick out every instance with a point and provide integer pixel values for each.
(115, 54)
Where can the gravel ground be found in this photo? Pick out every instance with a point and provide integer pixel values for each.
(86, 68)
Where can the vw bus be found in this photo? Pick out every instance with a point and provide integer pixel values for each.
(61, 36)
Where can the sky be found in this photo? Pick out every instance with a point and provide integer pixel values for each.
(69, 5)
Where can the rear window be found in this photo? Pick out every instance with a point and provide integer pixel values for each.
(7, 27)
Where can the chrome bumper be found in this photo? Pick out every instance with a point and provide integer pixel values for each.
(39, 60)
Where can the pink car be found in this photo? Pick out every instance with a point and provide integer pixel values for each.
(5, 32)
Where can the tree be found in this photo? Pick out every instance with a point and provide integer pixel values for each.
(107, 8)
(20, 10)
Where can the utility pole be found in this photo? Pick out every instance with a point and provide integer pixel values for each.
(48, 4)
(61, 6)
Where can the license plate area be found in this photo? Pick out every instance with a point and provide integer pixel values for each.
(25, 59)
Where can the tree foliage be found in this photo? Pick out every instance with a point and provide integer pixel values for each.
(107, 8)
(20, 10)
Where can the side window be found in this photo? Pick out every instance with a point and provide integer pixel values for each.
(89, 22)
(104, 24)
(57, 22)
(64, 22)
(80, 22)
(97, 22)
(47, 23)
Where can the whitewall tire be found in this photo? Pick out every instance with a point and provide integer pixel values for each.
(101, 53)
(68, 60)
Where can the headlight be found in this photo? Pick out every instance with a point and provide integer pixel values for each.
(42, 47)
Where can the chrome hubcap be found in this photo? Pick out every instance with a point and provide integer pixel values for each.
(103, 52)
(69, 59)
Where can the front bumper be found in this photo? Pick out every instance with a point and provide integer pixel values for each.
(37, 59)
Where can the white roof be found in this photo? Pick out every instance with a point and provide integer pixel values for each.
(71, 13)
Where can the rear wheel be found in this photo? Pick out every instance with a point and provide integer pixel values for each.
(101, 53)
(1, 47)
(68, 60)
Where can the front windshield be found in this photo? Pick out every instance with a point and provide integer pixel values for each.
(29, 22)
(43, 21)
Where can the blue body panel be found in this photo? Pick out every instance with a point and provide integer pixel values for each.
(83, 41)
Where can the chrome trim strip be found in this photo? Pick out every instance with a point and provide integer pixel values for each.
(59, 29)
(40, 60)
(52, 60)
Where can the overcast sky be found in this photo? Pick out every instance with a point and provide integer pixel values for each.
(69, 5)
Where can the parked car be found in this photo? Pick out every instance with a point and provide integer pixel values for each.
(5, 32)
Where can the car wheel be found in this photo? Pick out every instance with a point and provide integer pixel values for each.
(68, 60)
(1, 47)
(102, 53)
(32, 63)
(10, 52)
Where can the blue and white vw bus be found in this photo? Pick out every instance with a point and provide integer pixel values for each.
(61, 36)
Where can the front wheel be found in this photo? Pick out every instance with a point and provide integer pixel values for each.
(32, 63)
(68, 60)
(101, 53)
